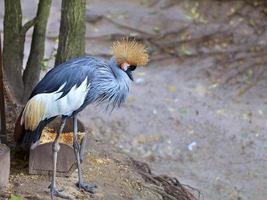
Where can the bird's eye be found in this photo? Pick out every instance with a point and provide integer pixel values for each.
(132, 67)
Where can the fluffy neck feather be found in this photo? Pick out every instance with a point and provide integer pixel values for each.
(111, 85)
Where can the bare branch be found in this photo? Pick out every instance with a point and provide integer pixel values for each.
(27, 26)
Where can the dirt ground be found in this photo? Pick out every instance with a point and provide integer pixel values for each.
(116, 175)
(197, 112)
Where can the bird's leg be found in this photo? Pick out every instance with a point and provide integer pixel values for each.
(81, 185)
(55, 148)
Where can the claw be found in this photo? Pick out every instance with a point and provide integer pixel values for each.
(87, 187)
(58, 193)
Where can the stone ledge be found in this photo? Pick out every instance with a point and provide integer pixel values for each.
(4, 166)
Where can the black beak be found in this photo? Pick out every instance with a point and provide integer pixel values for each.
(129, 71)
(130, 74)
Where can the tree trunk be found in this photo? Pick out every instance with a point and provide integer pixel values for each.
(2, 100)
(32, 72)
(13, 49)
(72, 30)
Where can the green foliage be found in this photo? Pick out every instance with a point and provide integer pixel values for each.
(15, 198)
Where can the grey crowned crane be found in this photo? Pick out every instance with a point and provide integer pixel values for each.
(68, 88)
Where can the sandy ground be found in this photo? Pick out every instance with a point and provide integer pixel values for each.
(177, 118)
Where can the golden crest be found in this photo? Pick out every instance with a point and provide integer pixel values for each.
(130, 51)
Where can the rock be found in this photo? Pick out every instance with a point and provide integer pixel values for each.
(40, 161)
(4, 166)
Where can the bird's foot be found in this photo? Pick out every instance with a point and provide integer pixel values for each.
(58, 193)
(88, 187)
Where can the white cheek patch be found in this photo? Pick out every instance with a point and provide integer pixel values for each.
(125, 66)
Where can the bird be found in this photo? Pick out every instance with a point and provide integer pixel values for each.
(68, 88)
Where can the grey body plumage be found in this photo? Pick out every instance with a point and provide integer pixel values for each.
(109, 85)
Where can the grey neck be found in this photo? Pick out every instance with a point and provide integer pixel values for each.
(111, 85)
